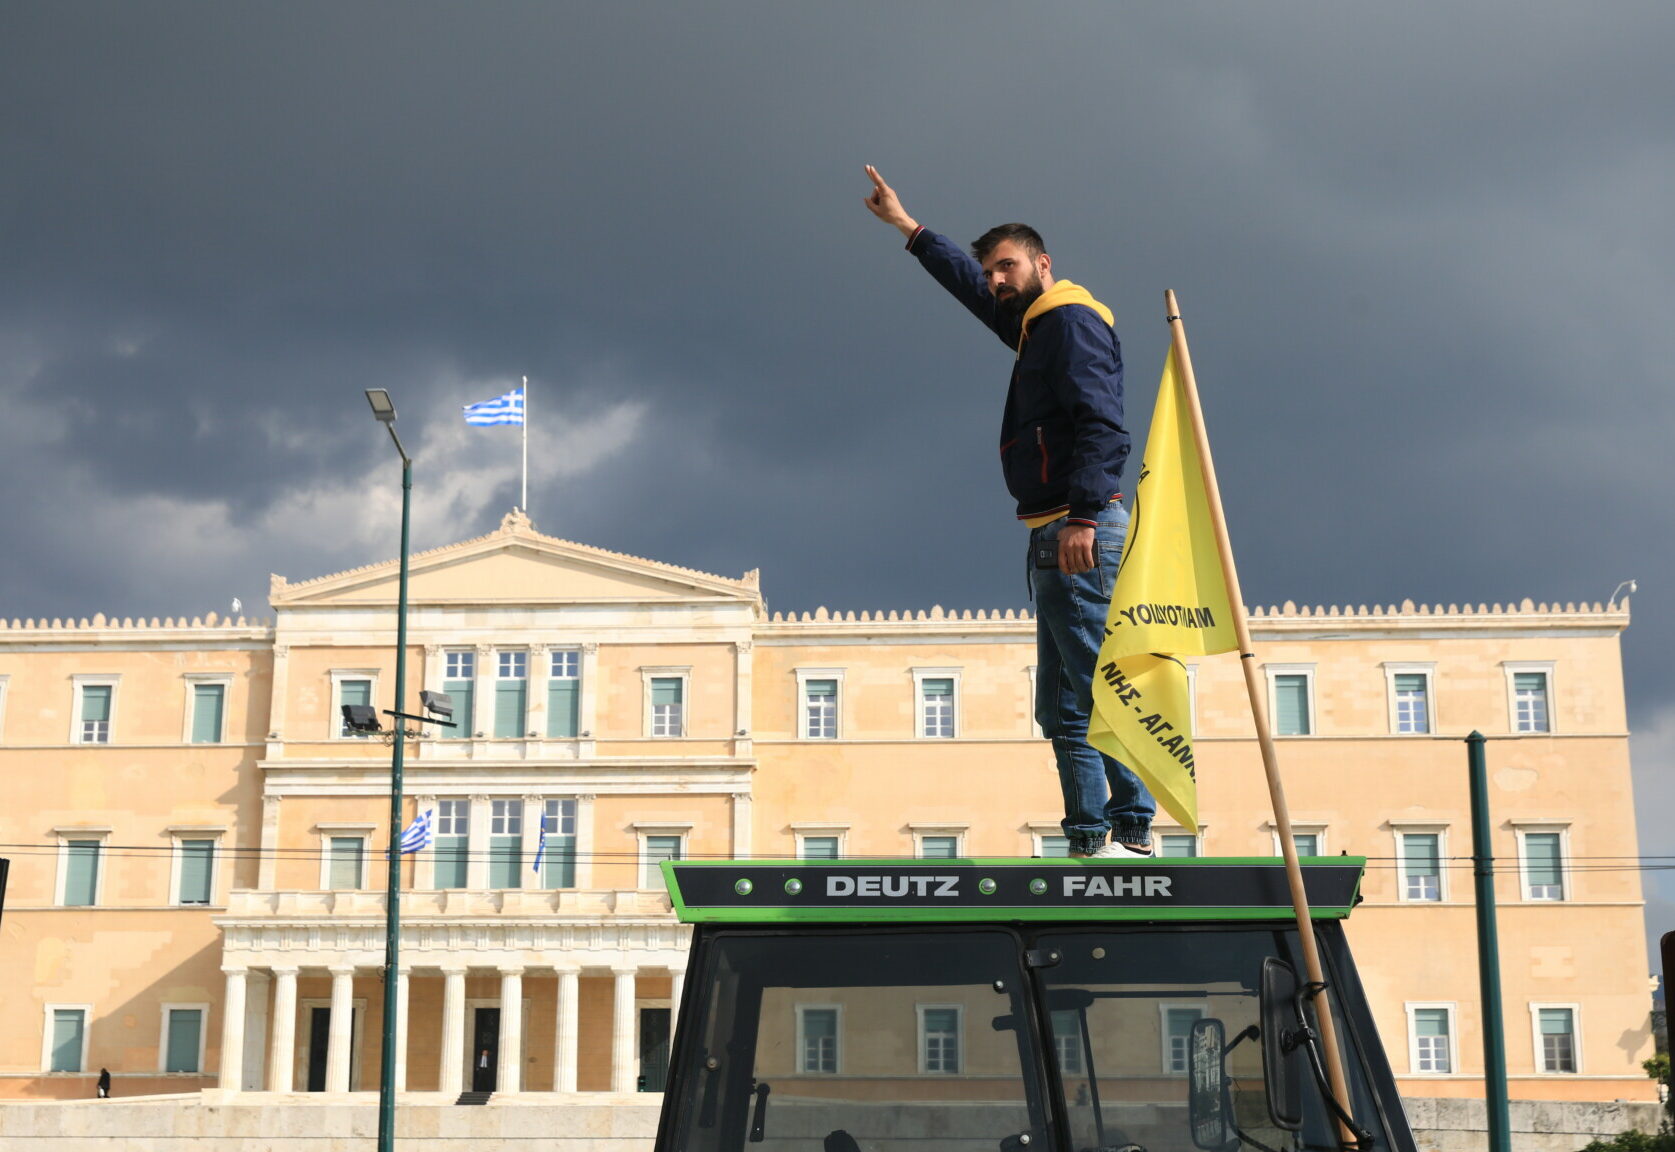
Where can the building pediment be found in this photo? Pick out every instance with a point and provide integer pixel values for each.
(515, 565)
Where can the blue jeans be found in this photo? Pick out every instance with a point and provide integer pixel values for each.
(1101, 796)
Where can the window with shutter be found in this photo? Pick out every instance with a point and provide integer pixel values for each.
(69, 1029)
(197, 869)
(209, 702)
(96, 713)
(564, 695)
(81, 872)
(184, 1040)
(1291, 704)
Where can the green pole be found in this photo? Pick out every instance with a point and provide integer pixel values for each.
(392, 898)
(1488, 951)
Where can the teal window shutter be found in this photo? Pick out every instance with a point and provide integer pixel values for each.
(1530, 690)
(1308, 843)
(938, 847)
(209, 703)
(95, 713)
(197, 866)
(1542, 865)
(1291, 704)
(185, 1031)
(558, 866)
(563, 708)
(345, 863)
(452, 862)
(508, 708)
(69, 1026)
(461, 692)
(820, 847)
(504, 859)
(1055, 846)
(667, 700)
(1178, 844)
(81, 876)
(96, 702)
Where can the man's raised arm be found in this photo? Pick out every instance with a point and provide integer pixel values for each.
(956, 271)
(886, 205)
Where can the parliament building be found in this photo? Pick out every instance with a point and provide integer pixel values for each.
(198, 842)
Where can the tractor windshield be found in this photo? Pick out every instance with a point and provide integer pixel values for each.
(1121, 1006)
(833, 1042)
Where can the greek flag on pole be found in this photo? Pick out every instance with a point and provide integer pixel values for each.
(507, 409)
(418, 834)
(540, 847)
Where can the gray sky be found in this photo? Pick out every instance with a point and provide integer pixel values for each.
(1424, 253)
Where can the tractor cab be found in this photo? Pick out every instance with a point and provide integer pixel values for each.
(1015, 1006)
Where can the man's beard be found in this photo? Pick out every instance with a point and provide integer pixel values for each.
(1017, 303)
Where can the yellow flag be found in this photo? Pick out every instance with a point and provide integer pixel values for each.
(1170, 601)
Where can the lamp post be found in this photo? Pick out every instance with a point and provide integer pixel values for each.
(384, 410)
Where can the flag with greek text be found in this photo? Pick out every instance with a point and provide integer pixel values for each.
(1170, 601)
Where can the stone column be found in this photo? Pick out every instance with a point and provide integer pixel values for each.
(477, 868)
(622, 1031)
(534, 809)
(741, 825)
(482, 689)
(584, 840)
(278, 694)
(508, 1078)
(282, 1056)
(401, 1029)
(453, 1030)
(267, 870)
(677, 982)
(742, 692)
(232, 1030)
(565, 1031)
(424, 863)
(587, 711)
(340, 1033)
(535, 690)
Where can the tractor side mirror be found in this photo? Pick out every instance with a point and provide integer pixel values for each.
(1284, 1034)
(1208, 1110)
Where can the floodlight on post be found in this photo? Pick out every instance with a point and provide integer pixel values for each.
(383, 408)
(1633, 586)
(438, 704)
(361, 718)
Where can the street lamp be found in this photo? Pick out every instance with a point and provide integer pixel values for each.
(384, 410)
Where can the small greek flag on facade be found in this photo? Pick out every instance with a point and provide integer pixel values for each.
(507, 409)
(540, 847)
(418, 834)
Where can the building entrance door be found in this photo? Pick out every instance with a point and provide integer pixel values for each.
(319, 1036)
(485, 1049)
(654, 1049)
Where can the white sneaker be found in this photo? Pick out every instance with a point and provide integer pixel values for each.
(1117, 850)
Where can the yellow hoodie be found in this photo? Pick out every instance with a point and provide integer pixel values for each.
(1061, 293)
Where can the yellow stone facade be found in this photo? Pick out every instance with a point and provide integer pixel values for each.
(124, 955)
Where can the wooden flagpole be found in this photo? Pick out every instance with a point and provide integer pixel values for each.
(1259, 712)
(524, 508)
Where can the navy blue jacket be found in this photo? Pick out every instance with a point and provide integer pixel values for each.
(1062, 440)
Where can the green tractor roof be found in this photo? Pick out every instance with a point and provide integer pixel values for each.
(1010, 889)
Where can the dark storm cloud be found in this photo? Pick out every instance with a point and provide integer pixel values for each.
(1424, 254)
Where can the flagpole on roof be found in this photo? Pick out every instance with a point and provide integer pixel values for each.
(525, 422)
(1258, 708)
